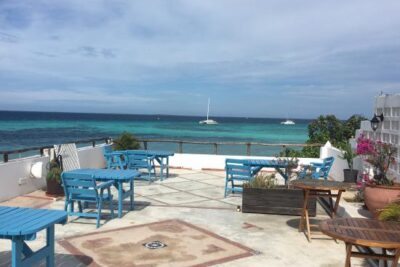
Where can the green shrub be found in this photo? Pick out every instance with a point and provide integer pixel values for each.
(126, 141)
(390, 212)
(54, 171)
(348, 154)
(262, 181)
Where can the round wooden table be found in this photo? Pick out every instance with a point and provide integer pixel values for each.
(366, 233)
(313, 188)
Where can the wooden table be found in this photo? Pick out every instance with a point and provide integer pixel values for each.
(21, 224)
(313, 188)
(119, 177)
(365, 233)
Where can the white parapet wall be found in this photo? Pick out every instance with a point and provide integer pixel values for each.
(215, 162)
(339, 164)
(15, 177)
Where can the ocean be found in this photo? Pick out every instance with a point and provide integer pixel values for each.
(30, 129)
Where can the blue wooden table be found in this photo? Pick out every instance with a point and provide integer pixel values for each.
(21, 224)
(162, 157)
(279, 166)
(119, 177)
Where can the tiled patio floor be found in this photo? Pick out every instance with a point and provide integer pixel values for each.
(210, 230)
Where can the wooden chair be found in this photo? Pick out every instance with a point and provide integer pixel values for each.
(318, 170)
(83, 189)
(236, 171)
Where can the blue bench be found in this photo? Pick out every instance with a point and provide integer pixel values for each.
(119, 177)
(22, 224)
(237, 170)
(318, 170)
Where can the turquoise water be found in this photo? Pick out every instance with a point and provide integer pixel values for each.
(27, 129)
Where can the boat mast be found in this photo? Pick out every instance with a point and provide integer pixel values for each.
(208, 108)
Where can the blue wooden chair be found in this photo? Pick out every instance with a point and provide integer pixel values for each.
(318, 170)
(83, 189)
(113, 159)
(236, 171)
(141, 162)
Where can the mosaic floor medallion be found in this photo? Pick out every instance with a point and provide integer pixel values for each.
(166, 243)
(154, 245)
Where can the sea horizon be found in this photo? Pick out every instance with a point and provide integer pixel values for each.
(23, 129)
(159, 114)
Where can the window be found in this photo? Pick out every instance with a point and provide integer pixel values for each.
(387, 112)
(394, 139)
(395, 125)
(386, 138)
(386, 125)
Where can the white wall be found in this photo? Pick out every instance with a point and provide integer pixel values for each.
(339, 164)
(12, 171)
(204, 161)
(91, 157)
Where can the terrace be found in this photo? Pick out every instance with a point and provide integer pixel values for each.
(190, 216)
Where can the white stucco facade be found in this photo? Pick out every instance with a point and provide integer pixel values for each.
(389, 130)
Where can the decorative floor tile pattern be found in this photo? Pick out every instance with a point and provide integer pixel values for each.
(188, 186)
(179, 244)
(177, 198)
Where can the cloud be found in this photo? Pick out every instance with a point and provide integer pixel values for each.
(269, 53)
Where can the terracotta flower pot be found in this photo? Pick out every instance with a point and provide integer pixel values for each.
(377, 197)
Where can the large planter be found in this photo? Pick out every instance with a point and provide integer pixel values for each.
(350, 176)
(279, 200)
(377, 197)
(54, 188)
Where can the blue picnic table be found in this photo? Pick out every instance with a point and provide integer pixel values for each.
(279, 166)
(162, 158)
(22, 224)
(119, 177)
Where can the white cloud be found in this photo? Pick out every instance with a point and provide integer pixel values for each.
(200, 48)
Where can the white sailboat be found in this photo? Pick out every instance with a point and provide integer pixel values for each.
(288, 122)
(208, 121)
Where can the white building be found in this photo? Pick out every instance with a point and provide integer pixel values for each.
(389, 130)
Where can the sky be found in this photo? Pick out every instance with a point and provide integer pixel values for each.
(283, 58)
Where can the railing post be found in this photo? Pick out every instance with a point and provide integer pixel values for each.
(41, 151)
(145, 145)
(93, 143)
(5, 158)
(180, 149)
(248, 150)
(215, 148)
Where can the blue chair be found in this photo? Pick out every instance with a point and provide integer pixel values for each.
(318, 170)
(83, 188)
(113, 159)
(141, 162)
(236, 171)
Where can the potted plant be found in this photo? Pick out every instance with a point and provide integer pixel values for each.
(53, 179)
(379, 190)
(350, 175)
(390, 212)
(126, 141)
(263, 194)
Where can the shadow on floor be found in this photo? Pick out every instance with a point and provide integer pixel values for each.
(60, 260)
